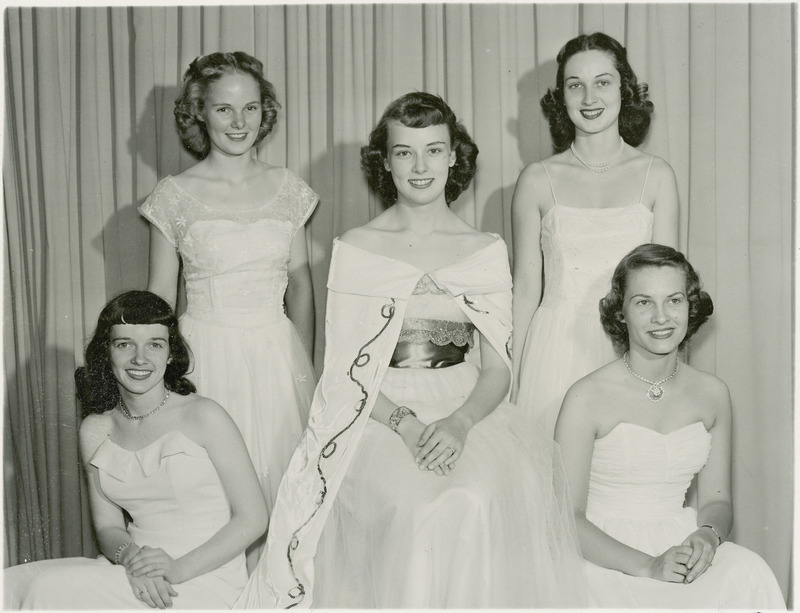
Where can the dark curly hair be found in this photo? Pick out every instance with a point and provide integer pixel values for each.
(635, 111)
(95, 383)
(652, 256)
(418, 110)
(204, 71)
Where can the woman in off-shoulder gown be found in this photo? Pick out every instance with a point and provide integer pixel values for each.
(172, 461)
(635, 433)
(576, 214)
(410, 487)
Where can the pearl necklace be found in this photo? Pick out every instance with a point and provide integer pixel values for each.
(655, 392)
(602, 166)
(130, 415)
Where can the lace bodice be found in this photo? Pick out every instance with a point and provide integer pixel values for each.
(433, 316)
(581, 248)
(639, 473)
(235, 263)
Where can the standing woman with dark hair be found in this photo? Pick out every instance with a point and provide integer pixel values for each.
(636, 433)
(410, 487)
(237, 226)
(577, 213)
(171, 460)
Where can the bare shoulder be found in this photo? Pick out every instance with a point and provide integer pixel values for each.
(708, 386)
(203, 419)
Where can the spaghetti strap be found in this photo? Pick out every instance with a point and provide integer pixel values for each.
(550, 181)
(644, 185)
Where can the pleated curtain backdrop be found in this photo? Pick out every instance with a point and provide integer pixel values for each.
(89, 130)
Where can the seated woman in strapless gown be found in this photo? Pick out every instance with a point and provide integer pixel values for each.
(173, 460)
(410, 487)
(634, 434)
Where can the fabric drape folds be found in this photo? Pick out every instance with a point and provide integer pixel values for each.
(89, 130)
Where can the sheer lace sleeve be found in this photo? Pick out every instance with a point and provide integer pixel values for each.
(300, 200)
(160, 209)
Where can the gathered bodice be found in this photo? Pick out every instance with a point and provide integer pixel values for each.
(170, 489)
(639, 473)
(582, 246)
(235, 262)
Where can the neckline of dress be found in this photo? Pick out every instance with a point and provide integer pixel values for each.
(475, 253)
(153, 442)
(597, 209)
(654, 431)
(230, 211)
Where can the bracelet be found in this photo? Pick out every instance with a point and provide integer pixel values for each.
(714, 530)
(397, 416)
(120, 549)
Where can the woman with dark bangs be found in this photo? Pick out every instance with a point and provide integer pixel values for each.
(635, 433)
(236, 225)
(172, 461)
(410, 487)
(577, 213)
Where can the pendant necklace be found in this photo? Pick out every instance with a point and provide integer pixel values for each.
(601, 166)
(130, 415)
(655, 392)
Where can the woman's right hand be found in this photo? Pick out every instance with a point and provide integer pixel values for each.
(670, 565)
(155, 592)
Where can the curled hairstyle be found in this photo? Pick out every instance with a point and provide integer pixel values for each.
(418, 110)
(652, 256)
(197, 79)
(635, 109)
(95, 383)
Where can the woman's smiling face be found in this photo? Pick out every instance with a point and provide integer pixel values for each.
(419, 160)
(592, 91)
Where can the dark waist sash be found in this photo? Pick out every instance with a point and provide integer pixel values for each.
(427, 355)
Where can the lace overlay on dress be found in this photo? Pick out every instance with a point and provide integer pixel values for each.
(439, 332)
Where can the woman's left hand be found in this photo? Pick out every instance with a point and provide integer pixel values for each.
(442, 443)
(704, 546)
(154, 562)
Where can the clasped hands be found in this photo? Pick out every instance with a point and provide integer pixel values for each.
(687, 561)
(151, 573)
(437, 446)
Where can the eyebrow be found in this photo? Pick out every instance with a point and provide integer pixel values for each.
(679, 292)
(231, 104)
(128, 338)
(436, 142)
(602, 74)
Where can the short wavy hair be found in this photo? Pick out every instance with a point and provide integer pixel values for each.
(204, 71)
(652, 256)
(418, 110)
(95, 383)
(635, 111)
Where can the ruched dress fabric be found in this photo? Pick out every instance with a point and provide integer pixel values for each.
(637, 487)
(565, 341)
(490, 534)
(248, 355)
(176, 501)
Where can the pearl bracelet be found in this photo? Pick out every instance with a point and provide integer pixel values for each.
(714, 530)
(120, 549)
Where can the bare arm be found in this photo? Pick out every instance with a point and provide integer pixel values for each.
(666, 209)
(215, 430)
(526, 230)
(576, 431)
(713, 491)
(299, 297)
(449, 434)
(109, 522)
(164, 267)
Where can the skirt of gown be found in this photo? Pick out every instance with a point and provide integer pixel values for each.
(737, 579)
(494, 533)
(263, 377)
(97, 584)
(563, 344)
